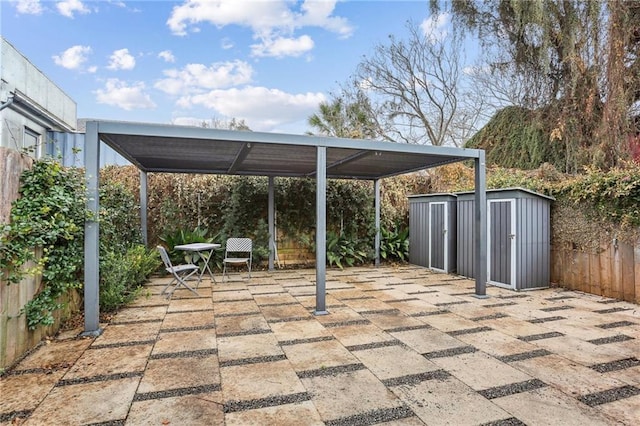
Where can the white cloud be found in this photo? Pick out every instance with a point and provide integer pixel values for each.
(196, 78)
(269, 20)
(69, 7)
(167, 56)
(73, 58)
(123, 95)
(263, 109)
(281, 47)
(29, 7)
(435, 26)
(121, 60)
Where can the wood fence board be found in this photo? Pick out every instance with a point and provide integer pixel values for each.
(627, 272)
(594, 274)
(636, 268)
(605, 271)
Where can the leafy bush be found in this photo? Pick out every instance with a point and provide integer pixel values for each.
(121, 275)
(346, 251)
(185, 236)
(394, 243)
(49, 215)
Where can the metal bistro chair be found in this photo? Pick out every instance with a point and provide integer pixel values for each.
(180, 273)
(234, 248)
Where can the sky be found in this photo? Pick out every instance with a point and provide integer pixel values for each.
(267, 62)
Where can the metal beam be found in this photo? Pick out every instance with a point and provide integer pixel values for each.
(92, 233)
(143, 208)
(376, 190)
(321, 230)
(271, 219)
(480, 237)
(349, 159)
(240, 157)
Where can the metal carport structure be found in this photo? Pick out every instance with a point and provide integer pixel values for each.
(179, 149)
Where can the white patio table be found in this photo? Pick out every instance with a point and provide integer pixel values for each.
(205, 252)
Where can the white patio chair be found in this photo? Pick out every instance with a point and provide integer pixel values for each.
(238, 252)
(179, 273)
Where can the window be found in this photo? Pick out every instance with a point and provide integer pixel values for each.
(31, 142)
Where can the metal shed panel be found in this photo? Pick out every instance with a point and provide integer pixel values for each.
(532, 238)
(465, 225)
(432, 231)
(418, 220)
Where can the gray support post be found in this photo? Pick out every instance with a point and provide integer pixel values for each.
(92, 232)
(480, 239)
(272, 223)
(321, 229)
(143, 208)
(376, 186)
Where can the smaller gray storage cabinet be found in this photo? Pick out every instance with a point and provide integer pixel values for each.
(432, 231)
(518, 238)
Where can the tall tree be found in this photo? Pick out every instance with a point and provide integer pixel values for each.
(344, 119)
(414, 85)
(574, 61)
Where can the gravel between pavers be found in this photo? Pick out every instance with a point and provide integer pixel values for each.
(547, 319)
(511, 421)
(469, 331)
(347, 323)
(308, 340)
(409, 328)
(557, 308)
(330, 371)
(100, 378)
(373, 417)
(611, 310)
(524, 355)
(200, 353)
(534, 337)
(413, 379)
(271, 401)
(610, 339)
(122, 344)
(621, 364)
(450, 352)
(374, 345)
(512, 388)
(254, 360)
(499, 305)
(192, 328)
(616, 324)
(489, 317)
(609, 395)
(193, 390)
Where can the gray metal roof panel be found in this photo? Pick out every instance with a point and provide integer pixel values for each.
(167, 148)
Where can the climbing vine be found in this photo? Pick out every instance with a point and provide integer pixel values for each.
(45, 235)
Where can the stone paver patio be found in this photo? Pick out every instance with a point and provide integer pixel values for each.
(401, 346)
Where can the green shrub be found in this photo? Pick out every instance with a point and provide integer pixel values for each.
(121, 275)
(48, 216)
(394, 243)
(347, 251)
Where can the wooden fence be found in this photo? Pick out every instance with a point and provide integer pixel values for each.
(612, 272)
(15, 338)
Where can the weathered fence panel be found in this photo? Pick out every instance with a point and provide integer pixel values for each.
(15, 338)
(612, 272)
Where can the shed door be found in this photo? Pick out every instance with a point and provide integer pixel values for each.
(501, 233)
(438, 236)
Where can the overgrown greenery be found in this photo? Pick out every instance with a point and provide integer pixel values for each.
(49, 216)
(125, 264)
(45, 236)
(394, 243)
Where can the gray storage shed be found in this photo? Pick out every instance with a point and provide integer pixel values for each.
(432, 231)
(518, 238)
